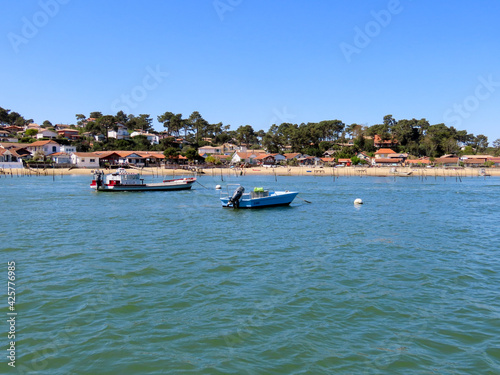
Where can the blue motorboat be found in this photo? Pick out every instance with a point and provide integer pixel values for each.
(236, 197)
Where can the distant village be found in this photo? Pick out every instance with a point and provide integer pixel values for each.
(60, 146)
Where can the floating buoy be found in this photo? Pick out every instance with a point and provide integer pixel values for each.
(217, 187)
(358, 201)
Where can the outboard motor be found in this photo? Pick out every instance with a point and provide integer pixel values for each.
(235, 199)
(98, 179)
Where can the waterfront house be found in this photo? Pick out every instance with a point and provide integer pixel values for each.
(45, 147)
(245, 157)
(152, 158)
(447, 162)
(61, 158)
(386, 162)
(292, 156)
(495, 161)
(108, 158)
(278, 158)
(128, 157)
(328, 161)
(9, 158)
(20, 153)
(179, 159)
(305, 160)
(265, 159)
(85, 159)
(384, 153)
(418, 162)
(474, 162)
(344, 162)
(5, 155)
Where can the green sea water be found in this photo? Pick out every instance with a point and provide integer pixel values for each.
(171, 283)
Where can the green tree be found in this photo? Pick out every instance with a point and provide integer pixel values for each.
(106, 123)
(80, 119)
(468, 150)
(197, 124)
(95, 115)
(190, 153)
(481, 143)
(496, 147)
(246, 134)
(121, 118)
(172, 122)
(31, 132)
(4, 116)
(171, 152)
(142, 122)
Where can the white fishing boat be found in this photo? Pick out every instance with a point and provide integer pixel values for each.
(122, 180)
(236, 197)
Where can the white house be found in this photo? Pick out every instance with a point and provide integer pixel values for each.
(85, 159)
(152, 138)
(8, 159)
(68, 149)
(61, 158)
(120, 133)
(45, 147)
(45, 133)
(246, 157)
(132, 158)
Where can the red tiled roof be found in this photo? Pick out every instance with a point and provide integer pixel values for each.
(41, 143)
(385, 151)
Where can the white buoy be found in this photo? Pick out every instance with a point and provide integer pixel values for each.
(358, 201)
(217, 187)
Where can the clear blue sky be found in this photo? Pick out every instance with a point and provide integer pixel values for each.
(255, 62)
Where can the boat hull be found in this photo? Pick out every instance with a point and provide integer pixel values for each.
(143, 188)
(170, 185)
(279, 199)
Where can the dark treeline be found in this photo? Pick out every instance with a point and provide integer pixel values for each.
(415, 137)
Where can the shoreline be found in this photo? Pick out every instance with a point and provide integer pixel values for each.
(278, 171)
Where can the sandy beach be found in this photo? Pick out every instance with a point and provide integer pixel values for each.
(278, 171)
